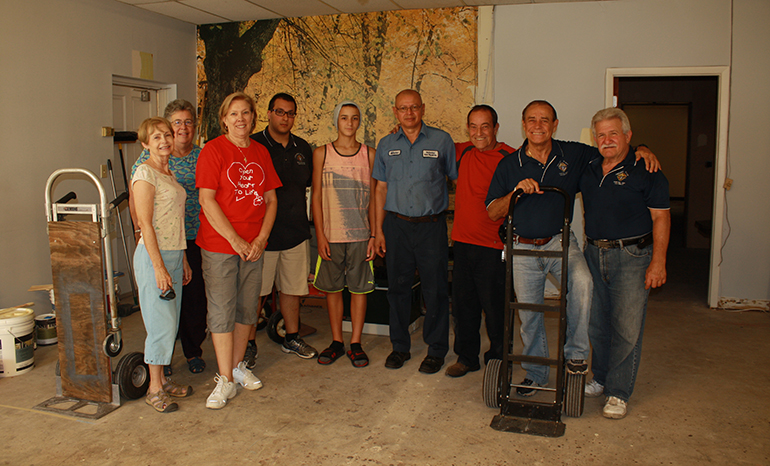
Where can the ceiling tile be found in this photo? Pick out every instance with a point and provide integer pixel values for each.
(293, 8)
(362, 6)
(183, 12)
(233, 10)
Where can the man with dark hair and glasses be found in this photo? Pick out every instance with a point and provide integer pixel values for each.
(286, 253)
(412, 166)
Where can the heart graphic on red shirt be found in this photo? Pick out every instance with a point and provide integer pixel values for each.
(245, 180)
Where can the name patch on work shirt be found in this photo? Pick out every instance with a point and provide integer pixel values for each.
(433, 154)
(395, 152)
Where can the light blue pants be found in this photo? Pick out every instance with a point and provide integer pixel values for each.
(161, 318)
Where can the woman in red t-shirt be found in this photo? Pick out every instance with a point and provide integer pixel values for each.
(236, 182)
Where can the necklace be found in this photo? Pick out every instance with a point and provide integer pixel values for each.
(245, 160)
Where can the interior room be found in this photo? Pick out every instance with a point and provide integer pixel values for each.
(701, 394)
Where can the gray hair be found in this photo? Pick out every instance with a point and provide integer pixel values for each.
(179, 105)
(608, 114)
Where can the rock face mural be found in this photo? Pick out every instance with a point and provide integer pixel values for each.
(321, 60)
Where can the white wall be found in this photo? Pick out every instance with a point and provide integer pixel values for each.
(58, 59)
(559, 52)
(746, 267)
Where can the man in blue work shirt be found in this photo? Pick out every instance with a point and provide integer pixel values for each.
(411, 168)
(537, 223)
(628, 222)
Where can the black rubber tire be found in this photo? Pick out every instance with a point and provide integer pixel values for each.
(275, 327)
(574, 394)
(132, 376)
(107, 346)
(264, 316)
(491, 387)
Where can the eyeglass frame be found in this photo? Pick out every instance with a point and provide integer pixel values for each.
(178, 123)
(413, 108)
(281, 112)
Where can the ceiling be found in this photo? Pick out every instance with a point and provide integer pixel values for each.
(223, 11)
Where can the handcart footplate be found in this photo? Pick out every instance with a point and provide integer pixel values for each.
(541, 427)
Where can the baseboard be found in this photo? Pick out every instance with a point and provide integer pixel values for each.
(744, 304)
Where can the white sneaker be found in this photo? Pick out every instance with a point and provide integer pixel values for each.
(615, 408)
(594, 389)
(224, 391)
(245, 377)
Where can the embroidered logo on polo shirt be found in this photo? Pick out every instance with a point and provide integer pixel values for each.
(563, 166)
(432, 154)
(621, 176)
(299, 158)
(394, 152)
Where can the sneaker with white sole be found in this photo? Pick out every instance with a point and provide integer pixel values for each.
(525, 388)
(245, 377)
(225, 390)
(299, 347)
(594, 389)
(250, 357)
(615, 408)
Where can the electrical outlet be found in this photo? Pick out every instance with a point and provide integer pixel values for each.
(103, 171)
(728, 184)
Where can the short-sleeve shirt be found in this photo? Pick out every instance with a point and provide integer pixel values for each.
(475, 168)
(184, 170)
(168, 208)
(346, 183)
(240, 177)
(542, 215)
(618, 204)
(294, 165)
(416, 172)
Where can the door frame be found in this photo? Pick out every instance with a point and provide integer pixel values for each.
(723, 107)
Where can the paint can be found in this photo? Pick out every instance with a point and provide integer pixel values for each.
(45, 329)
(17, 341)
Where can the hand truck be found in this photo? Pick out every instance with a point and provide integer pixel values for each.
(81, 262)
(517, 414)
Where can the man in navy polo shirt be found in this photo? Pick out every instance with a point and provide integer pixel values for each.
(542, 160)
(411, 167)
(627, 220)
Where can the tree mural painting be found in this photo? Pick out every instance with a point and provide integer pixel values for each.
(235, 54)
(365, 57)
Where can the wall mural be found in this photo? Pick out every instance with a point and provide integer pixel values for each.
(321, 60)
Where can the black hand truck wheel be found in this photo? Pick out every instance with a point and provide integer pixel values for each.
(491, 386)
(275, 327)
(574, 390)
(132, 376)
(264, 316)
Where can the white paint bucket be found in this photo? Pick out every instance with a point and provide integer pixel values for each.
(45, 329)
(17, 342)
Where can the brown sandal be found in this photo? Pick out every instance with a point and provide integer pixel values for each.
(161, 402)
(174, 389)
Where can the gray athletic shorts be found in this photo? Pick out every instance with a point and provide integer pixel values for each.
(348, 267)
(232, 290)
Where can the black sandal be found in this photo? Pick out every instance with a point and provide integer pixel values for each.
(358, 358)
(196, 365)
(329, 355)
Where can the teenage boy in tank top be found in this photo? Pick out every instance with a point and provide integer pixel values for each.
(343, 216)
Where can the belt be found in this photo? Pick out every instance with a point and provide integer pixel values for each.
(536, 242)
(642, 241)
(423, 219)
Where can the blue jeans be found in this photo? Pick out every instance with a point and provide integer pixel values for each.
(617, 315)
(421, 246)
(161, 318)
(529, 277)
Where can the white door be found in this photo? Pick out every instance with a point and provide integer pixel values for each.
(130, 106)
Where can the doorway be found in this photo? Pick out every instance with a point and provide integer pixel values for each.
(663, 102)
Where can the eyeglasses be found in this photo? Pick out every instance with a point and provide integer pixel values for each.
(179, 123)
(281, 112)
(168, 295)
(413, 108)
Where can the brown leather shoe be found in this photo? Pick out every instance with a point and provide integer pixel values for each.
(459, 369)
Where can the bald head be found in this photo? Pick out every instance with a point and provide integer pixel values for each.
(409, 109)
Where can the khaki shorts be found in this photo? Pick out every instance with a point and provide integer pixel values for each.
(348, 267)
(288, 269)
(232, 287)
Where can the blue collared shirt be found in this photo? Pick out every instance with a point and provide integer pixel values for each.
(416, 172)
(542, 215)
(618, 204)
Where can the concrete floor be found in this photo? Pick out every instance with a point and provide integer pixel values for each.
(701, 398)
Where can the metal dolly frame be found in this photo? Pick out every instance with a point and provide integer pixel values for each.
(88, 334)
(517, 414)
